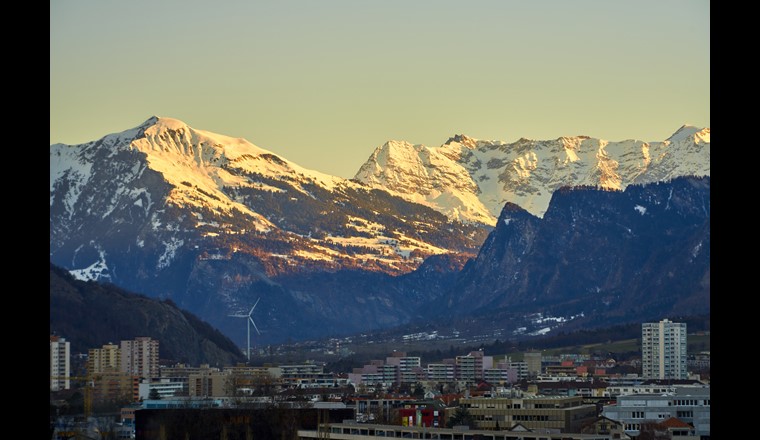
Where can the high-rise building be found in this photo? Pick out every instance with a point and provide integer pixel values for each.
(60, 363)
(408, 368)
(139, 357)
(471, 366)
(103, 360)
(663, 350)
(533, 361)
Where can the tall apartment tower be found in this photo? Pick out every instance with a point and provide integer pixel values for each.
(104, 360)
(60, 363)
(533, 361)
(139, 357)
(663, 350)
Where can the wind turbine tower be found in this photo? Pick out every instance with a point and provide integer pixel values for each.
(249, 321)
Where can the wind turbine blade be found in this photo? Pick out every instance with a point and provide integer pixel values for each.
(238, 316)
(254, 326)
(254, 306)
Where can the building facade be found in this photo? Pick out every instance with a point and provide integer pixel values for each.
(663, 350)
(105, 359)
(688, 404)
(443, 372)
(533, 363)
(60, 363)
(115, 387)
(165, 387)
(139, 357)
(408, 367)
(209, 383)
(471, 366)
(563, 414)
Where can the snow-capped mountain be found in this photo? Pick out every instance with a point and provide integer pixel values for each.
(471, 180)
(164, 164)
(214, 222)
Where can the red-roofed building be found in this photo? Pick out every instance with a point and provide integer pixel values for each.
(671, 428)
(678, 428)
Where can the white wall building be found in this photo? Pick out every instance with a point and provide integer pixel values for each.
(689, 404)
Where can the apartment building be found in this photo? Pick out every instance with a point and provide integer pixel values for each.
(209, 382)
(139, 357)
(533, 362)
(105, 359)
(471, 366)
(303, 376)
(442, 372)
(60, 363)
(115, 386)
(663, 350)
(408, 367)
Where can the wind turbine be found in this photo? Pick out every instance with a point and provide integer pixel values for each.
(249, 322)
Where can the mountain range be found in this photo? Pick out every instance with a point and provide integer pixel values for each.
(214, 223)
(471, 179)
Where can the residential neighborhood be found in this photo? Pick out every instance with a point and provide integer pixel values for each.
(472, 395)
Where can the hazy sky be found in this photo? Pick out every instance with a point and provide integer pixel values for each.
(324, 82)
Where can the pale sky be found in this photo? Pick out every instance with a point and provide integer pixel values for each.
(324, 82)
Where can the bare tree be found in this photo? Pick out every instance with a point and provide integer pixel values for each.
(105, 426)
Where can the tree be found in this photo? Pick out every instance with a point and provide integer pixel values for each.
(153, 395)
(105, 427)
(419, 391)
(652, 431)
(461, 416)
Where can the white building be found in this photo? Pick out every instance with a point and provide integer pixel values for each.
(165, 387)
(663, 350)
(689, 404)
(60, 363)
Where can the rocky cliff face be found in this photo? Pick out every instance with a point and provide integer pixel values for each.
(605, 255)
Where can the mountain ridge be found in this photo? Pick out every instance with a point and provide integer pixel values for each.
(90, 314)
(597, 255)
(175, 213)
(471, 179)
(214, 223)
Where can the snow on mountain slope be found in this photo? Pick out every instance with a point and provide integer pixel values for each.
(218, 186)
(431, 176)
(471, 179)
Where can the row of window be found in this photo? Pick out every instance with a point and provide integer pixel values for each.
(530, 418)
(691, 402)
